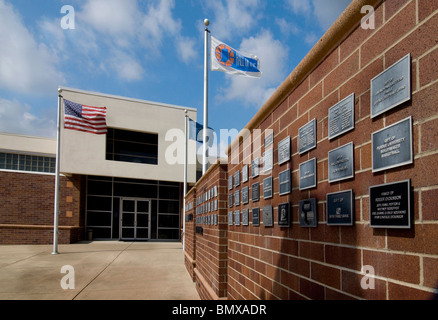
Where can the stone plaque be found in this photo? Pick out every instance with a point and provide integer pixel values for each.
(255, 168)
(230, 200)
(268, 220)
(392, 87)
(390, 205)
(308, 213)
(284, 151)
(340, 211)
(255, 192)
(230, 182)
(256, 217)
(237, 197)
(245, 219)
(341, 163)
(341, 117)
(284, 214)
(284, 182)
(237, 218)
(267, 188)
(308, 174)
(245, 195)
(269, 138)
(307, 137)
(245, 173)
(393, 146)
(268, 160)
(230, 218)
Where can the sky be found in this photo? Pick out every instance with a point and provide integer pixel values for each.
(151, 50)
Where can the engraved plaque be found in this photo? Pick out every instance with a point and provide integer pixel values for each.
(255, 192)
(256, 217)
(245, 195)
(230, 218)
(341, 163)
(284, 182)
(390, 205)
(255, 167)
(237, 178)
(284, 151)
(307, 137)
(268, 160)
(268, 220)
(393, 146)
(230, 200)
(341, 117)
(245, 218)
(230, 182)
(245, 173)
(308, 213)
(267, 188)
(237, 197)
(340, 210)
(392, 87)
(215, 219)
(308, 174)
(284, 214)
(269, 138)
(237, 218)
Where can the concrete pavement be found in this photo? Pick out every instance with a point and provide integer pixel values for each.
(102, 271)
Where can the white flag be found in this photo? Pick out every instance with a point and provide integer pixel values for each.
(226, 59)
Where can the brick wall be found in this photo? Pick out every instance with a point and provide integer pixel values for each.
(189, 241)
(326, 262)
(26, 214)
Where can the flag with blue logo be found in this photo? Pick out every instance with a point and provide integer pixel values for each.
(226, 59)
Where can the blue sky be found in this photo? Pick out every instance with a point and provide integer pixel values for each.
(151, 50)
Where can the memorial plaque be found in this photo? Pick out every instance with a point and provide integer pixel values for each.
(230, 182)
(284, 151)
(284, 182)
(392, 87)
(307, 137)
(393, 146)
(245, 195)
(268, 160)
(255, 168)
(308, 213)
(230, 218)
(341, 117)
(256, 217)
(215, 219)
(237, 197)
(245, 218)
(308, 174)
(340, 210)
(255, 192)
(268, 220)
(237, 178)
(230, 200)
(341, 163)
(284, 214)
(390, 205)
(245, 174)
(267, 188)
(237, 218)
(269, 138)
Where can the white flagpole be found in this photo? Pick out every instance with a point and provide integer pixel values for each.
(185, 177)
(58, 147)
(205, 150)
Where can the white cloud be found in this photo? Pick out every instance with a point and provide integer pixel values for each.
(126, 66)
(300, 6)
(186, 49)
(26, 66)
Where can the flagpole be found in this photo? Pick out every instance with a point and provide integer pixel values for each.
(58, 147)
(205, 150)
(185, 176)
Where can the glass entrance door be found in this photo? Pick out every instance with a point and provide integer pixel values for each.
(135, 219)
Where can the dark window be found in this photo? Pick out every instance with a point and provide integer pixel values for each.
(131, 146)
(20, 162)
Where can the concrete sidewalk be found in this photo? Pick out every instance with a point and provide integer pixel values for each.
(102, 271)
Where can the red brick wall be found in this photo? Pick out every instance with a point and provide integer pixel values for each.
(26, 214)
(189, 242)
(326, 262)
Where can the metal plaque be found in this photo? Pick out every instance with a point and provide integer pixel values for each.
(255, 192)
(393, 146)
(341, 117)
(255, 168)
(308, 174)
(245, 195)
(308, 213)
(215, 219)
(392, 87)
(237, 178)
(237, 197)
(307, 137)
(267, 188)
(268, 160)
(269, 139)
(268, 220)
(256, 217)
(284, 182)
(284, 151)
(230, 200)
(230, 218)
(245, 173)
(230, 182)
(284, 214)
(237, 218)
(390, 205)
(341, 163)
(340, 210)
(245, 218)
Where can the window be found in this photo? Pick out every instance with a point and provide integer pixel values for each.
(21, 162)
(131, 146)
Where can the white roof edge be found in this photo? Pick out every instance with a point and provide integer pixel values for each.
(127, 99)
(27, 136)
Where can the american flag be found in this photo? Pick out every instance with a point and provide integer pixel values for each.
(85, 118)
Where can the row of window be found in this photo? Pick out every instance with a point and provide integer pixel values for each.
(21, 162)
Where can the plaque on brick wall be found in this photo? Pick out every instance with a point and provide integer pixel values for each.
(308, 174)
(341, 117)
(268, 220)
(255, 217)
(284, 214)
(230, 218)
(392, 87)
(269, 138)
(230, 182)
(255, 192)
(237, 178)
(268, 160)
(215, 219)
(390, 205)
(237, 197)
(341, 163)
(340, 208)
(237, 218)
(267, 188)
(230, 200)
(255, 167)
(284, 182)
(284, 151)
(308, 213)
(307, 137)
(245, 218)
(245, 173)
(245, 195)
(393, 146)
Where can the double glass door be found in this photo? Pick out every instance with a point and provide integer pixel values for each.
(135, 218)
